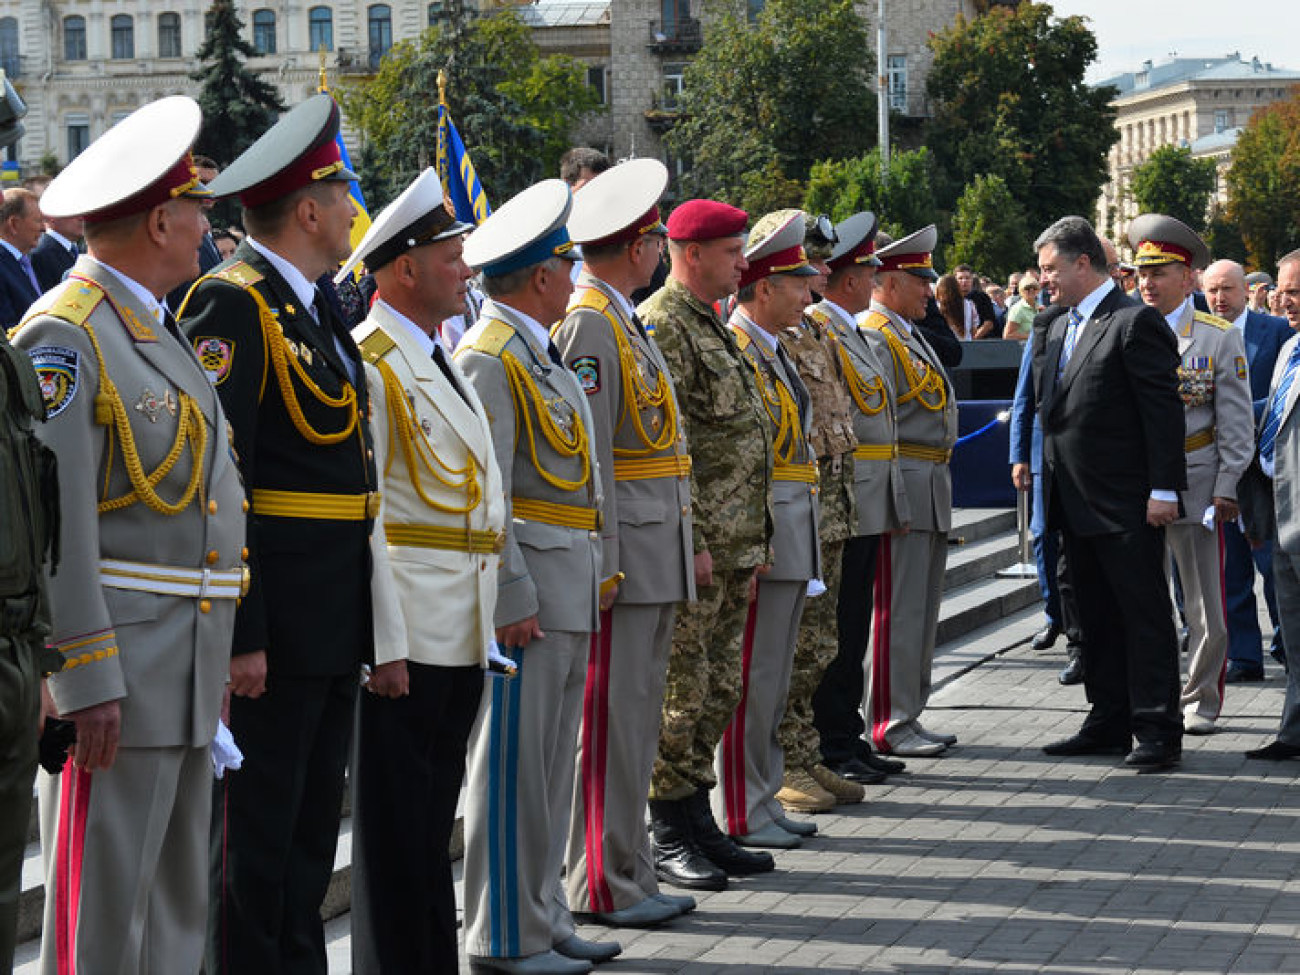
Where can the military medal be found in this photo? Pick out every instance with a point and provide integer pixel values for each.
(150, 405)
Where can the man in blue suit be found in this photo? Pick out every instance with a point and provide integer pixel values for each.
(21, 227)
(57, 250)
(1225, 286)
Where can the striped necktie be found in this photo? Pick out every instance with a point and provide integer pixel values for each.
(1277, 406)
(1071, 337)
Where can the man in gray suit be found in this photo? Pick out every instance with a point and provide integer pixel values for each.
(151, 568)
(522, 748)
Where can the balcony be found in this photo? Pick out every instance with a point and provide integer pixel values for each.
(682, 35)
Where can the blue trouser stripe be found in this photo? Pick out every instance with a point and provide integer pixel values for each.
(502, 814)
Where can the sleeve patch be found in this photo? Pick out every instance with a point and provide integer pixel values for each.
(587, 369)
(1241, 366)
(58, 370)
(216, 355)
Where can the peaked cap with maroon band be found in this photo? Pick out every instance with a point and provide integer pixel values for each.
(1158, 239)
(142, 161)
(706, 220)
(777, 249)
(857, 242)
(913, 254)
(300, 149)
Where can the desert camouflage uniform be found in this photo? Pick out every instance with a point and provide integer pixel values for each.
(731, 499)
(816, 357)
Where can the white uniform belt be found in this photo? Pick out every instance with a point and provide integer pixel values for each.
(171, 580)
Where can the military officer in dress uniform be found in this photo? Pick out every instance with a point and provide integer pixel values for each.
(1213, 380)
(291, 380)
(880, 498)
(911, 564)
(773, 294)
(152, 565)
(434, 584)
(731, 493)
(522, 753)
(646, 543)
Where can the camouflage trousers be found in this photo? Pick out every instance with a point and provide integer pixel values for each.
(818, 641)
(704, 685)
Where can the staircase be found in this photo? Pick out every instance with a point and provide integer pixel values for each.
(976, 605)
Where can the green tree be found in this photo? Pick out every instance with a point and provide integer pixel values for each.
(1223, 236)
(238, 106)
(1173, 183)
(1010, 100)
(513, 108)
(764, 101)
(903, 202)
(989, 230)
(1264, 181)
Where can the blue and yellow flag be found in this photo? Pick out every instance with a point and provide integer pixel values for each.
(361, 223)
(460, 183)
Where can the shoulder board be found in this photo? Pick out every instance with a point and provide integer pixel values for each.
(1219, 323)
(875, 320)
(742, 337)
(494, 337)
(75, 301)
(241, 274)
(818, 315)
(592, 298)
(376, 345)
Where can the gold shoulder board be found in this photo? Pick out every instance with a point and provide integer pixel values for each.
(74, 303)
(493, 338)
(241, 274)
(1221, 324)
(376, 345)
(818, 316)
(742, 337)
(592, 298)
(875, 320)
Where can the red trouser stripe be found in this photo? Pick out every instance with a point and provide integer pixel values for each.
(881, 702)
(74, 807)
(595, 755)
(733, 740)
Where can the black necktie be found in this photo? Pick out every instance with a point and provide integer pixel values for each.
(553, 351)
(440, 358)
(640, 326)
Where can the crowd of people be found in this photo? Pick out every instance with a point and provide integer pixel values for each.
(604, 537)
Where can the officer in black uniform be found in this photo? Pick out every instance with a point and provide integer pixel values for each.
(290, 378)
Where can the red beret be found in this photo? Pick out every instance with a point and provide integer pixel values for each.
(706, 220)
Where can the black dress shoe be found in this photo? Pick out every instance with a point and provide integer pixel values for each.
(857, 771)
(879, 763)
(719, 848)
(1072, 673)
(1275, 751)
(1239, 673)
(1045, 638)
(1085, 745)
(1278, 653)
(1151, 756)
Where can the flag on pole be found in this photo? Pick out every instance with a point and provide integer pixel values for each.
(361, 223)
(460, 183)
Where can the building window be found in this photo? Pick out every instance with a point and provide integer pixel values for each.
(74, 38)
(123, 33)
(320, 28)
(9, 59)
(169, 35)
(596, 79)
(264, 31)
(78, 135)
(436, 12)
(672, 87)
(896, 66)
(1221, 120)
(380, 18)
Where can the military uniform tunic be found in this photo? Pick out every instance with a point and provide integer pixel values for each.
(910, 567)
(751, 760)
(1220, 443)
(641, 447)
(135, 619)
(521, 766)
(731, 503)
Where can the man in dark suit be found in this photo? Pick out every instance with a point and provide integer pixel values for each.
(21, 227)
(1225, 286)
(57, 250)
(1105, 371)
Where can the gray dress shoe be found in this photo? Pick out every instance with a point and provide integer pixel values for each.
(798, 827)
(683, 903)
(769, 837)
(646, 914)
(912, 745)
(935, 736)
(543, 963)
(592, 951)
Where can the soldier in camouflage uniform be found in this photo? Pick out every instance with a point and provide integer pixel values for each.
(809, 786)
(731, 491)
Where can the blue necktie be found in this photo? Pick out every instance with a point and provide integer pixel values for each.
(1277, 406)
(26, 263)
(1071, 337)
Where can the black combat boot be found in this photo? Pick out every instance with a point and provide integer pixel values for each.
(677, 861)
(720, 848)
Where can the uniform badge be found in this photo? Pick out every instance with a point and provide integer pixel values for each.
(587, 369)
(151, 405)
(216, 356)
(138, 329)
(57, 371)
(1240, 362)
(426, 426)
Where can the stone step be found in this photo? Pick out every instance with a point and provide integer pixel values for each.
(983, 602)
(979, 559)
(972, 524)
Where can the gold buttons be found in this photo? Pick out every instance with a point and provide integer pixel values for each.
(243, 554)
(213, 556)
(205, 605)
(212, 507)
(244, 506)
(686, 509)
(370, 454)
